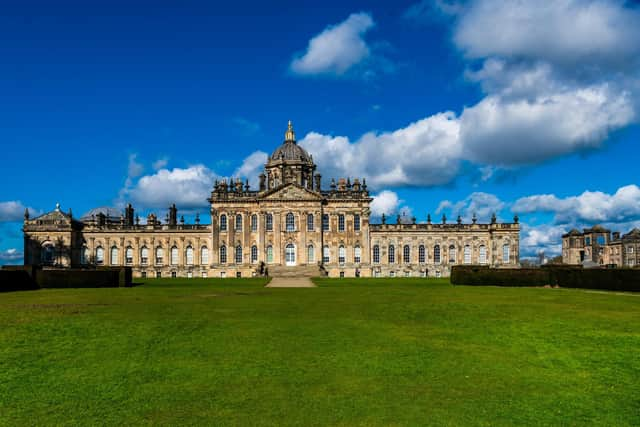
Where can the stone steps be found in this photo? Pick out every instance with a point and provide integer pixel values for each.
(295, 271)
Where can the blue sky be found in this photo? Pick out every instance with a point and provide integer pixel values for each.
(446, 107)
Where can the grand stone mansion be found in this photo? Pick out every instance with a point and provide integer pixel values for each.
(599, 246)
(290, 225)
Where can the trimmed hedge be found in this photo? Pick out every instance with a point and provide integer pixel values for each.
(17, 278)
(104, 277)
(617, 279)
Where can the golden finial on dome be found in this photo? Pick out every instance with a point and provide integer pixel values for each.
(290, 135)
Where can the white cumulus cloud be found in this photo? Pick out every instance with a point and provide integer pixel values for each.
(336, 49)
(424, 153)
(483, 205)
(11, 256)
(386, 202)
(251, 168)
(186, 187)
(13, 210)
(589, 207)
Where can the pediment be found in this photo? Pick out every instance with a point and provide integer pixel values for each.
(52, 218)
(292, 192)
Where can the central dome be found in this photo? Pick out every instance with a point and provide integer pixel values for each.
(290, 150)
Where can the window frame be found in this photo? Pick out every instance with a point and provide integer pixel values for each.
(290, 222)
(269, 222)
(238, 258)
(310, 222)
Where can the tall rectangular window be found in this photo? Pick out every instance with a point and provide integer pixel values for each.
(356, 222)
(223, 222)
(467, 254)
(325, 222)
(254, 222)
(310, 222)
(376, 254)
(342, 254)
(357, 255)
(325, 255)
(482, 254)
(505, 253)
(421, 254)
(269, 222)
(340, 222)
(290, 223)
(269, 254)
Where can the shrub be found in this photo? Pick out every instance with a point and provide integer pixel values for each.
(619, 279)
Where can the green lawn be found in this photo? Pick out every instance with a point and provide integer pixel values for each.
(350, 352)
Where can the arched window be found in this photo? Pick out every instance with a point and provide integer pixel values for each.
(467, 254)
(406, 254)
(174, 255)
(342, 254)
(326, 256)
(189, 255)
(128, 255)
(204, 255)
(114, 255)
(254, 222)
(311, 256)
(340, 222)
(99, 254)
(505, 253)
(223, 254)
(84, 255)
(159, 255)
(376, 254)
(436, 254)
(239, 222)
(421, 254)
(144, 255)
(310, 222)
(238, 254)
(269, 254)
(452, 254)
(223, 222)
(483, 254)
(254, 254)
(356, 222)
(290, 223)
(357, 255)
(325, 222)
(392, 254)
(269, 222)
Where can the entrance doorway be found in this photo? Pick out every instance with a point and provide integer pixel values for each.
(290, 255)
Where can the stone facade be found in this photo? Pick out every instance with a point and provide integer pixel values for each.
(598, 246)
(290, 224)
